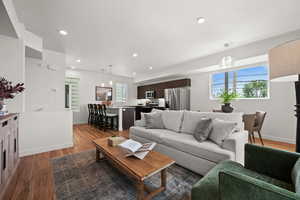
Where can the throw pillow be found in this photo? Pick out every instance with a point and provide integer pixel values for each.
(203, 129)
(296, 176)
(220, 130)
(172, 119)
(154, 120)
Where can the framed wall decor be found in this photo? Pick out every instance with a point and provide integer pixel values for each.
(103, 93)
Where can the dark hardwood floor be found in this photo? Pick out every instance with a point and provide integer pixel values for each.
(33, 179)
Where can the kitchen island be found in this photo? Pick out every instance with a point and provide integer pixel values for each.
(126, 115)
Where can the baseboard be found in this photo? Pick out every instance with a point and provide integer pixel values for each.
(80, 122)
(279, 139)
(27, 152)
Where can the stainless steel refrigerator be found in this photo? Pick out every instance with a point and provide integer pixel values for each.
(178, 98)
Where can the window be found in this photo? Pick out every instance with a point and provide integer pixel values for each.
(72, 93)
(249, 82)
(121, 92)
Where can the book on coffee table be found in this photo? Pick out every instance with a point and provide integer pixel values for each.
(134, 148)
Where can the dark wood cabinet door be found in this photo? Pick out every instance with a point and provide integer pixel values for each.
(159, 88)
(128, 115)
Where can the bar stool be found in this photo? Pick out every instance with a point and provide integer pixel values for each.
(109, 118)
(90, 114)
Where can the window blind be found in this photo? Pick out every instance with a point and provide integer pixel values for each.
(73, 92)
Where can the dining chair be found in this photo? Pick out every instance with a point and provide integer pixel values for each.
(259, 121)
(253, 123)
(249, 122)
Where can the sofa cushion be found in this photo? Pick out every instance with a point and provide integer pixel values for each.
(154, 135)
(220, 130)
(154, 120)
(191, 119)
(203, 129)
(172, 120)
(208, 187)
(187, 143)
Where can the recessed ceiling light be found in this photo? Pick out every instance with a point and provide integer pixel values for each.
(200, 20)
(150, 68)
(135, 55)
(133, 73)
(110, 82)
(63, 32)
(78, 60)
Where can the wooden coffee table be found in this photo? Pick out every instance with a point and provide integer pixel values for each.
(133, 167)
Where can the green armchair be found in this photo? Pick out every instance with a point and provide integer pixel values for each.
(265, 176)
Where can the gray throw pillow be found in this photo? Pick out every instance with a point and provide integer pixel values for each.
(220, 130)
(154, 120)
(203, 129)
(296, 176)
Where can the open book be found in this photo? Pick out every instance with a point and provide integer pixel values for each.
(134, 148)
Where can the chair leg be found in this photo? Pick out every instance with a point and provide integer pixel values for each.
(261, 140)
(253, 138)
(112, 123)
(249, 138)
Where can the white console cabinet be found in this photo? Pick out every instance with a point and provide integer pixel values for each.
(9, 149)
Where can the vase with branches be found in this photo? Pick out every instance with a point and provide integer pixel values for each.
(226, 98)
(8, 91)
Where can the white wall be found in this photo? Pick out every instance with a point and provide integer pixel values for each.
(87, 84)
(12, 67)
(280, 123)
(45, 88)
(45, 131)
(45, 125)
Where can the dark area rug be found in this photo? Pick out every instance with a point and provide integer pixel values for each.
(79, 176)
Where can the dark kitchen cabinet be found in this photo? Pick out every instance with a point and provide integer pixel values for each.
(128, 115)
(159, 88)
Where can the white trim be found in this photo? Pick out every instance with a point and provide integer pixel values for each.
(279, 139)
(32, 151)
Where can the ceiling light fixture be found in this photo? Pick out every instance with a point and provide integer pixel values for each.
(150, 68)
(102, 84)
(200, 20)
(227, 61)
(78, 60)
(135, 55)
(110, 82)
(72, 67)
(63, 32)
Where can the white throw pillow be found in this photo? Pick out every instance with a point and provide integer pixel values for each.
(220, 130)
(172, 120)
(190, 121)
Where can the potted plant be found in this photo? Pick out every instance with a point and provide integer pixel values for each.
(226, 98)
(8, 91)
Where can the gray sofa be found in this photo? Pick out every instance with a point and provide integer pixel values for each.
(178, 142)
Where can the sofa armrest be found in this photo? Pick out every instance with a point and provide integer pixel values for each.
(235, 143)
(271, 162)
(235, 186)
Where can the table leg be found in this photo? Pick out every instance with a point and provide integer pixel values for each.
(140, 190)
(163, 177)
(98, 152)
